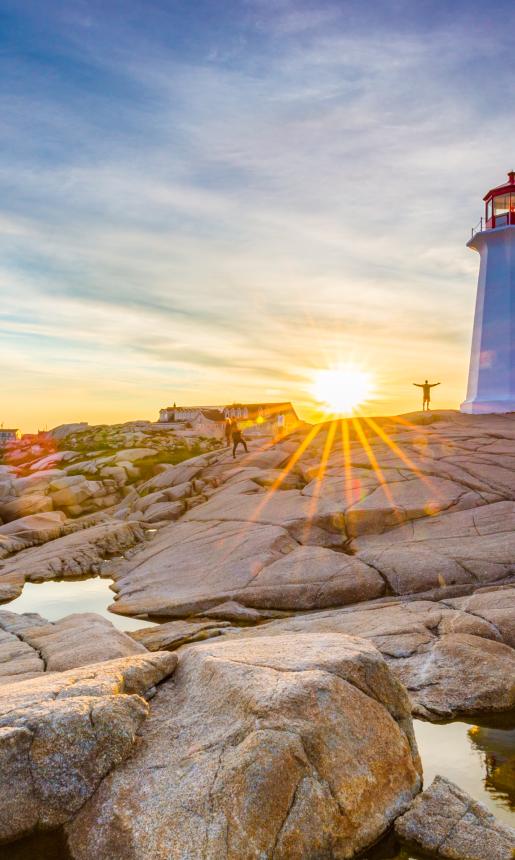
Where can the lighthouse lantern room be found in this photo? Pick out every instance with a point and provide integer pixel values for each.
(491, 383)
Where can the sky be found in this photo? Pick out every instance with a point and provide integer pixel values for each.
(207, 202)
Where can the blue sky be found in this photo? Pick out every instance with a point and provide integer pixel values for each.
(208, 201)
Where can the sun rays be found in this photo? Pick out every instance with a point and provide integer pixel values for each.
(341, 443)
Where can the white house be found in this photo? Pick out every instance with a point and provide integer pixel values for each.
(261, 419)
(194, 420)
(8, 435)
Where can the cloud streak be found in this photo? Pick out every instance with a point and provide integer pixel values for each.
(210, 204)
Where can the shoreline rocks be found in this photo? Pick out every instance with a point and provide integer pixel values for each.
(447, 822)
(62, 733)
(324, 712)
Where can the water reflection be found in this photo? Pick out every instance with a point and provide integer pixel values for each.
(497, 748)
(56, 598)
(479, 757)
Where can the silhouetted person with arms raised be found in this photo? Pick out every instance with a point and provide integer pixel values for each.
(237, 439)
(426, 392)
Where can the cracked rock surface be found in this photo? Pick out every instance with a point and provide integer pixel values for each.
(454, 656)
(301, 525)
(60, 734)
(323, 712)
(30, 645)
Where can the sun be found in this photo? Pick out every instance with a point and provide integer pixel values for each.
(342, 390)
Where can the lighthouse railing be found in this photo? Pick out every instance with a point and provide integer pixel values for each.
(478, 228)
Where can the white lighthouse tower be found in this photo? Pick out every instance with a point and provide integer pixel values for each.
(491, 386)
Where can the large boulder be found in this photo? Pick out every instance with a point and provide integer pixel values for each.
(495, 606)
(30, 531)
(64, 430)
(324, 712)
(447, 822)
(312, 577)
(62, 733)
(431, 647)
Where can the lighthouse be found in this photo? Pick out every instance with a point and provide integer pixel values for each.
(491, 384)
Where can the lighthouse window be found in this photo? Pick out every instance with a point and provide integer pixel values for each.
(488, 210)
(501, 204)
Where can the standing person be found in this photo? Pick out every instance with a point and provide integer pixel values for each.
(237, 439)
(426, 392)
(228, 431)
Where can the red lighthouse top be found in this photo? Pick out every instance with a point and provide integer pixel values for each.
(500, 204)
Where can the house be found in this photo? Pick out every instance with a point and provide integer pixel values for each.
(208, 422)
(263, 419)
(257, 419)
(194, 420)
(7, 436)
(172, 414)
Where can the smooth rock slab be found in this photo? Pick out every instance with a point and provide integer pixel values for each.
(79, 639)
(308, 520)
(313, 577)
(393, 503)
(324, 712)
(61, 734)
(77, 554)
(190, 567)
(450, 824)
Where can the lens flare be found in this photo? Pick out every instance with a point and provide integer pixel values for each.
(342, 390)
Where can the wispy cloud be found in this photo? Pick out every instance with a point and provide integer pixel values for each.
(216, 202)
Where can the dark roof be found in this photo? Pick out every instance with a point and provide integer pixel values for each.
(213, 414)
(181, 409)
(9, 430)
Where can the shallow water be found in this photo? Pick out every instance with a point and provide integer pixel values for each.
(478, 758)
(56, 598)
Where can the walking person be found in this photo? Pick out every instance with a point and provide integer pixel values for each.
(237, 439)
(426, 392)
(228, 432)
